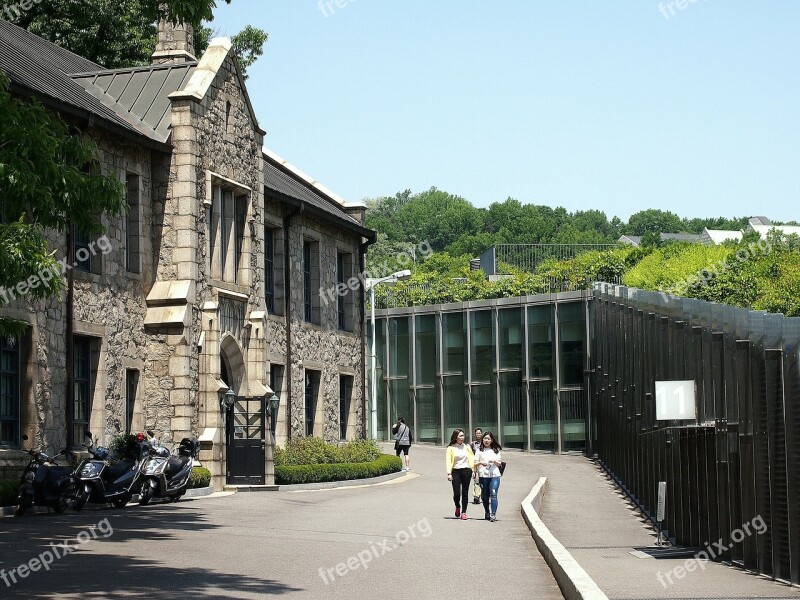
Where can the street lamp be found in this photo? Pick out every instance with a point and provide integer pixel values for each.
(371, 282)
(273, 403)
(227, 400)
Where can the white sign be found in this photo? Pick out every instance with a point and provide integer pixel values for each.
(675, 400)
(662, 499)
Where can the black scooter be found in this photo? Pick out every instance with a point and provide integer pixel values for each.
(167, 476)
(45, 483)
(100, 481)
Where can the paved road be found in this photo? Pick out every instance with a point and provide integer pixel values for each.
(251, 545)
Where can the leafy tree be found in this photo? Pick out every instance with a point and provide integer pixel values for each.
(123, 33)
(46, 186)
(654, 220)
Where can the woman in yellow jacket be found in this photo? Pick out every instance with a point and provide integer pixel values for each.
(460, 463)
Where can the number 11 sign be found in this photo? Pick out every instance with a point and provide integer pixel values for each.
(675, 400)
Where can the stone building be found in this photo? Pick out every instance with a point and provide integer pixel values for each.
(217, 277)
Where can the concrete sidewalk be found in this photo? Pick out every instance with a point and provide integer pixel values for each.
(596, 523)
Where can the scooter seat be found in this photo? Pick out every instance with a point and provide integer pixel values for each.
(176, 464)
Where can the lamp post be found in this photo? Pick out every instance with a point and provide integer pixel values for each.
(371, 282)
(273, 404)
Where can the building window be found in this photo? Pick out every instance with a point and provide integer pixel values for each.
(345, 395)
(274, 270)
(131, 388)
(269, 270)
(82, 382)
(311, 398)
(132, 224)
(81, 257)
(311, 281)
(226, 236)
(9, 391)
(344, 295)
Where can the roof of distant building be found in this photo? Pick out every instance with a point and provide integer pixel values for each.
(717, 236)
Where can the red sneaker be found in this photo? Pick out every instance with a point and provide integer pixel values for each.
(458, 511)
(464, 517)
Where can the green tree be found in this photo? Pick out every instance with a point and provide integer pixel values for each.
(123, 33)
(46, 186)
(655, 221)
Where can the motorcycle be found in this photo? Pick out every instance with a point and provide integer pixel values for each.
(45, 483)
(167, 476)
(100, 481)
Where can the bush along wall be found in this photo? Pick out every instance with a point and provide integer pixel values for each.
(318, 473)
(200, 478)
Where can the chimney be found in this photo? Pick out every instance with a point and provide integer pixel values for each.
(175, 43)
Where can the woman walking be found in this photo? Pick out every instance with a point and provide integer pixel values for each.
(459, 463)
(488, 462)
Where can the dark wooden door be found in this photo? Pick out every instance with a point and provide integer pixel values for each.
(246, 441)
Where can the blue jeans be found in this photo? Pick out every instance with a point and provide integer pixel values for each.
(489, 487)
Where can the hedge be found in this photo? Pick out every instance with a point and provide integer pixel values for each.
(8, 492)
(200, 478)
(384, 465)
(314, 450)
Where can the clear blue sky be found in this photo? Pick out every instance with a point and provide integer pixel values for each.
(607, 105)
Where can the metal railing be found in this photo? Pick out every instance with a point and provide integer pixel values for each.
(739, 461)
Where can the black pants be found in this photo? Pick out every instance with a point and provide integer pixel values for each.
(461, 481)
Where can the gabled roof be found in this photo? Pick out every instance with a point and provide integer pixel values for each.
(634, 240)
(717, 236)
(289, 183)
(44, 70)
(142, 92)
(691, 238)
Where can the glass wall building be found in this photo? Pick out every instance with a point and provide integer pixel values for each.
(515, 366)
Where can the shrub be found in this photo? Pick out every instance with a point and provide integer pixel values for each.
(8, 492)
(316, 451)
(122, 446)
(293, 474)
(200, 478)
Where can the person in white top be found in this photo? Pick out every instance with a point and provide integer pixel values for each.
(488, 461)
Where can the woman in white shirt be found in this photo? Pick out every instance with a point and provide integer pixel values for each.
(488, 461)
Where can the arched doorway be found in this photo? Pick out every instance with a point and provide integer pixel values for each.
(244, 421)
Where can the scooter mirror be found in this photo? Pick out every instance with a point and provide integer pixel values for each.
(87, 434)
(150, 432)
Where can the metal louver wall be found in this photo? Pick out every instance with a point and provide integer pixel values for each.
(738, 462)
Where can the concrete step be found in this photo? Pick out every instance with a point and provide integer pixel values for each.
(250, 488)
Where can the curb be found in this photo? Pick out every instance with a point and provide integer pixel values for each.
(574, 582)
(198, 492)
(8, 511)
(330, 485)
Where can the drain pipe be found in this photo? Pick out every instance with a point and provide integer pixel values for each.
(287, 311)
(362, 269)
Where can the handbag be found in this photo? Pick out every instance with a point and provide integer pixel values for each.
(502, 468)
(397, 444)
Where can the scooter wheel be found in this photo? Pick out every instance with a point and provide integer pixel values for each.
(22, 506)
(145, 495)
(121, 502)
(80, 501)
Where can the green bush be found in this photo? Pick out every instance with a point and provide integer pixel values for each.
(316, 451)
(8, 492)
(122, 446)
(293, 474)
(200, 478)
